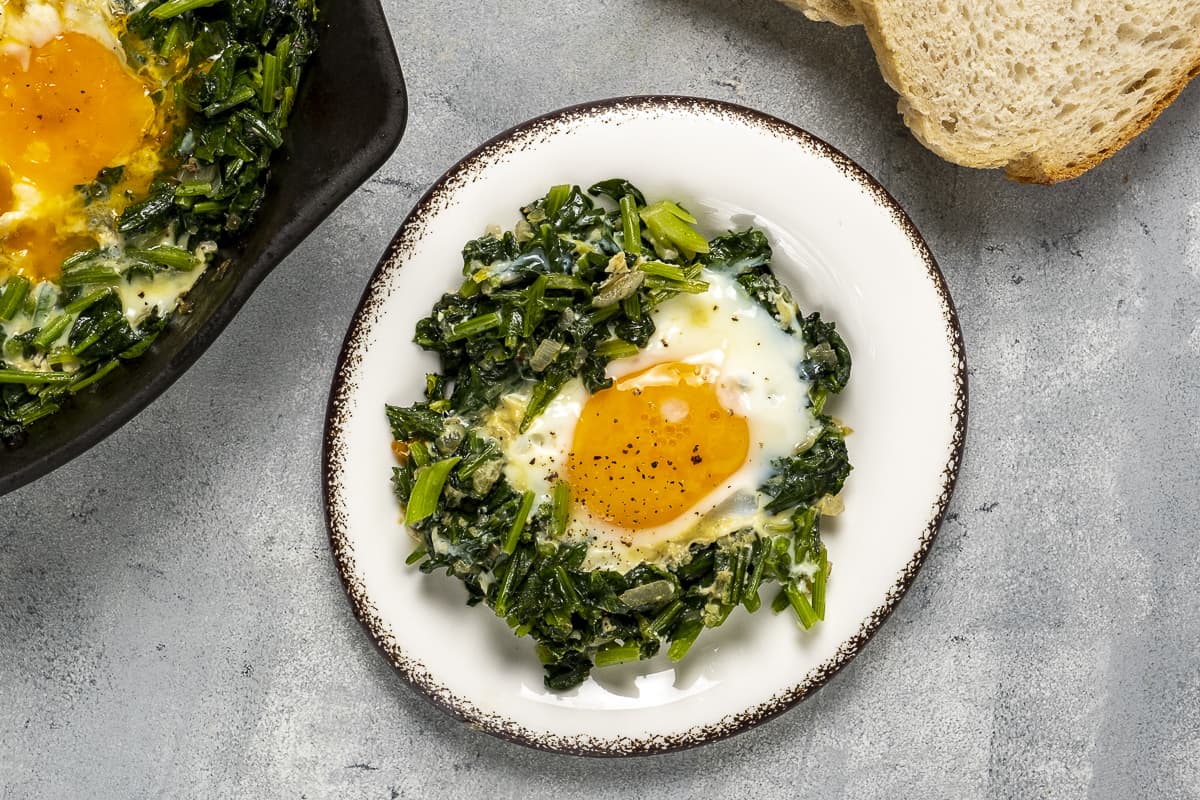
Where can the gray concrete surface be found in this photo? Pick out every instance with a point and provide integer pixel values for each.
(171, 623)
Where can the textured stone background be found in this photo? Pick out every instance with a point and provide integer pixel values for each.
(194, 640)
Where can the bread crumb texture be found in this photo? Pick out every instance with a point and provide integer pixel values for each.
(1046, 89)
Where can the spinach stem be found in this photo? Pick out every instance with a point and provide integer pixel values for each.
(518, 525)
(474, 326)
(87, 300)
(166, 256)
(428, 489)
(15, 289)
(561, 507)
(819, 581)
(616, 348)
(34, 378)
(173, 8)
(631, 226)
(617, 654)
(95, 376)
(49, 334)
(270, 82)
(800, 604)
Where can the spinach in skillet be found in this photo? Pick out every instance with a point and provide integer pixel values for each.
(221, 77)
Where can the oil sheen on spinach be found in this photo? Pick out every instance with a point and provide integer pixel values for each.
(236, 66)
(536, 309)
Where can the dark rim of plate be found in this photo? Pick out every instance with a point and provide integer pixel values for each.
(438, 196)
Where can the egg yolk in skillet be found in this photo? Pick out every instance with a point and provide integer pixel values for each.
(74, 110)
(6, 195)
(654, 444)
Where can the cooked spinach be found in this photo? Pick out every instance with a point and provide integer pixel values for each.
(569, 289)
(237, 66)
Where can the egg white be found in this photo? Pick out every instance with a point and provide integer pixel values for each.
(758, 379)
(34, 24)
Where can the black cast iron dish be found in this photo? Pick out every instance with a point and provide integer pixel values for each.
(348, 119)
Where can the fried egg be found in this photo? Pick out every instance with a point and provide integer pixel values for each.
(70, 106)
(673, 453)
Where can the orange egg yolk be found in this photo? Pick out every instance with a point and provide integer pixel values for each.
(653, 445)
(74, 111)
(6, 193)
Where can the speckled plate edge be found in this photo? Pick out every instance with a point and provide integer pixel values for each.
(410, 231)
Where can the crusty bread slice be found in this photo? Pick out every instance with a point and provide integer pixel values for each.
(1046, 89)
(839, 12)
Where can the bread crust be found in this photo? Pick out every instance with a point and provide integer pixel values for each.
(1030, 168)
(839, 12)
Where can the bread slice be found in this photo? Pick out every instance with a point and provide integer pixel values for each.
(1046, 89)
(839, 12)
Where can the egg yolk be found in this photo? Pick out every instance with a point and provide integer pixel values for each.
(654, 444)
(6, 194)
(75, 110)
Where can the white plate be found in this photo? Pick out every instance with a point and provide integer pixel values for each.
(843, 246)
